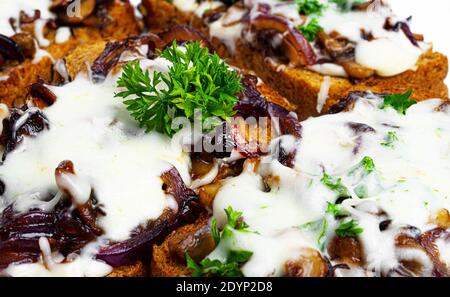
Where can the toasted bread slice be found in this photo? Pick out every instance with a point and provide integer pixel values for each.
(136, 270)
(302, 86)
(121, 23)
(164, 264)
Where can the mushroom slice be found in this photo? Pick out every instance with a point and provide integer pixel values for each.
(309, 263)
(296, 46)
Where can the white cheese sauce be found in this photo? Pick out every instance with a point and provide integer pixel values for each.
(409, 185)
(11, 9)
(389, 53)
(112, 157)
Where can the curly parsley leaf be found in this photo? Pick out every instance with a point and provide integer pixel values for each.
(196, 80)
(309, 7)
(311, 30)
(231, 268)
(399, 102)
(349, 229)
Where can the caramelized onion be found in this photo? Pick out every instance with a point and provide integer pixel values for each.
(9, 49)
(65, 16)
(138, 246)
(86, 211)
(297, 47)
(113, 50)
(25, 122)
(182, 33)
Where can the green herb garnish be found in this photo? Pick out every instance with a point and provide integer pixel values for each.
(367, 166)
(399, 102)
(308, 7)
(235, 259)
(234, 223)
(335, 210)
(310, 30)
(336, 185)
(231, 268)
(197, 80)
(390, 139)
(349, 229)
(346, 5)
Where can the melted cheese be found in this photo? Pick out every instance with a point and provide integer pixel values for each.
(62, 35)
(11, 9)
(410, 185)
(112, 156)
(389, 54)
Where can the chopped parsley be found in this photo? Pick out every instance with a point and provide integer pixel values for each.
(346, 5)
(196, 80)
(335, 184)
(309, 7)
(335, 210)
(310, 30)
(399, 102)
(367, 166)
(231, 268)
(349, 229)
(321, 226)
(234, 222)
(390, 139)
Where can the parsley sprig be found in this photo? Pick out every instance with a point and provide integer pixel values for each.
(400, 102)
(311, 30)
(235, 259)
(196, 80)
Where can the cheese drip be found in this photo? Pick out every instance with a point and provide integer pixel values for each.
(12, 8)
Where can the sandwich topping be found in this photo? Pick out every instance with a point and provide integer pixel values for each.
(367, 196)
(85, 146)
(355, 39)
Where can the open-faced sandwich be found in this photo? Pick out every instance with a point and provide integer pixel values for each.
(315, 51)
(155, 151)
(36, 36)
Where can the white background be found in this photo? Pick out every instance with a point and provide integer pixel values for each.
(431, 18)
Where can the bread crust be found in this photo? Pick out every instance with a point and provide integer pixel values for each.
(301, 86)
(163, 264)
(137, 269)
(121, 24)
